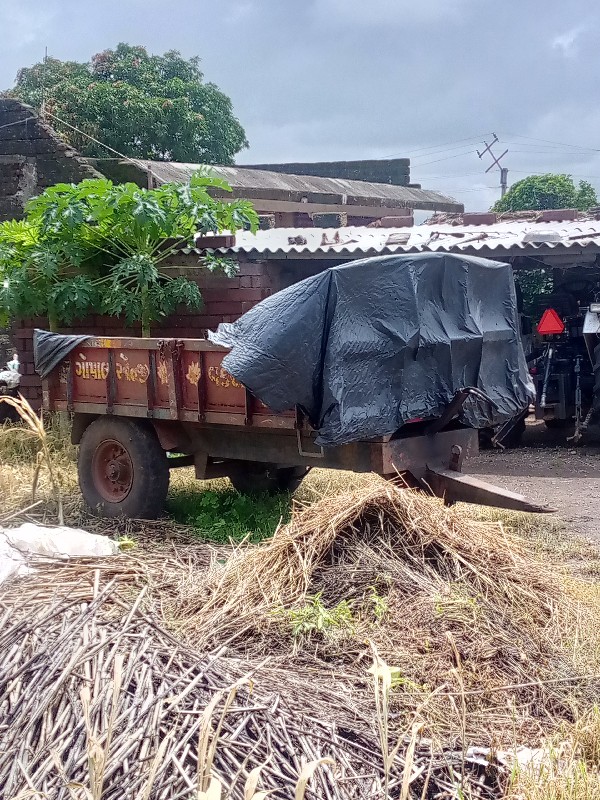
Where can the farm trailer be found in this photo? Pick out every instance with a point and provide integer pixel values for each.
(144, 406)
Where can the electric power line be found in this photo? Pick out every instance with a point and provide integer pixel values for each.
(572, 174)
(445, 158)
(550, 141)
(16, 122)
(573, 153)
(436, 146)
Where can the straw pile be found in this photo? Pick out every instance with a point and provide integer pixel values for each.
(98, 700)
(484, 638)
(142, 676)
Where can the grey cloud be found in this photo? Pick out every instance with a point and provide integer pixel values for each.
(390, 13)
(349, 79)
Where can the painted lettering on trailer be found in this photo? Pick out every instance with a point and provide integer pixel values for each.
(98, 371)
(105, 343)
(92, 370)
(222, 378)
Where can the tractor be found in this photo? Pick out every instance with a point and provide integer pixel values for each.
(564, 354)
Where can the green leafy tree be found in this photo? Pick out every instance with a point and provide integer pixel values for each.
(540, 192)
(586, 196)
(143, 106)
(110, 247)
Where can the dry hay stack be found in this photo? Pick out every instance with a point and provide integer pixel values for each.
(110, 671)
(98, 700)
(482, 634)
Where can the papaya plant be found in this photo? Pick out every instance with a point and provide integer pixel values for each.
(101, 246)
(40, 279)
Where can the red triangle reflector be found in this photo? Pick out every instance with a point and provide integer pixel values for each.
(550, 323)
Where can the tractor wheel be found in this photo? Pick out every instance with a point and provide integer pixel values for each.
(8, 413)
(255, 477)
(123, 470)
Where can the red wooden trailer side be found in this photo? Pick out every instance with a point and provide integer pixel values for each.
(144, 406)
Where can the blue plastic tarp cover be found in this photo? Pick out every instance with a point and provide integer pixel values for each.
(365, 347)
(49, 349)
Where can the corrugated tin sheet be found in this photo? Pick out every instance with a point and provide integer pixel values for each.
(503, 236)
(341, 191)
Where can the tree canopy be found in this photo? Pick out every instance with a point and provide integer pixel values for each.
(141, 105)
(98, 246)
(541, 192)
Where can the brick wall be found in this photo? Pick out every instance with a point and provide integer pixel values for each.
(225, 299)
(32, 157)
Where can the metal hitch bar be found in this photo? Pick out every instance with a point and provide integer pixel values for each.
(455, 487)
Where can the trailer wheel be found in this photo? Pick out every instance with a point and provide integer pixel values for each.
(254, 477)
(123, 470)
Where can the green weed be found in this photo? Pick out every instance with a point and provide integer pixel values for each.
(379, 604)
(314, 617)
(221, 516)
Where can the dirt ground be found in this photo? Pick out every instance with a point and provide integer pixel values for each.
(549, 469)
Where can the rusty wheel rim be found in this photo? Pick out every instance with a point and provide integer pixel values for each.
(112, 471)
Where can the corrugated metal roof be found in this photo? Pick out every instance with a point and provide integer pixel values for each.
(267, 184)
(502, 236)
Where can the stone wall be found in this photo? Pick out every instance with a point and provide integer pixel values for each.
(6, 348)
(32, 157)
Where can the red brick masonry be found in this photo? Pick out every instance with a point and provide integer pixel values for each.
(225, 299)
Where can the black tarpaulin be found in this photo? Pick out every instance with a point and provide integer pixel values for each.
(49, 349)
(365, 347)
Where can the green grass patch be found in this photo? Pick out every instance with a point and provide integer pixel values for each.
(222, 515)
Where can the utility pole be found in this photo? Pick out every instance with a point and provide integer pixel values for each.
(44, 66)
(496, 163)
(503, 180)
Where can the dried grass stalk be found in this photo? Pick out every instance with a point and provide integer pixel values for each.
(35, 425)
(97, 698)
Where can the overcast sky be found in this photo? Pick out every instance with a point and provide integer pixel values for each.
(337, 79)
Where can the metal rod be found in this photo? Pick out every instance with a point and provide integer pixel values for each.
(546, 377)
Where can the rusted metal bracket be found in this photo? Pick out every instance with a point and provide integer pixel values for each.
(170, 352)
(70, 388)
(456, 458)
(307, 454)
(248, 406)
(299, 425)
(454, 407)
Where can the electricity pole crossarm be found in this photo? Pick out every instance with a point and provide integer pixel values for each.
(496, 163)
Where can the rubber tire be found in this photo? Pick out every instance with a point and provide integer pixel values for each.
(8, 413)
(253, 477)
(146, 498)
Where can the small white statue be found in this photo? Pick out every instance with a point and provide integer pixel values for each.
(13, 364)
